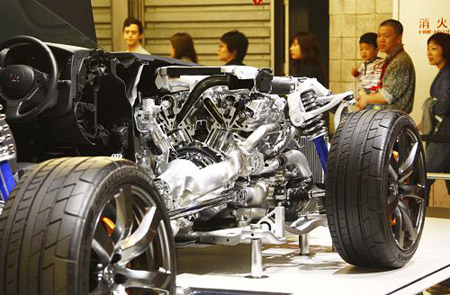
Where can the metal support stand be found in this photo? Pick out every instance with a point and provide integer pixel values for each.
(275, 219)
(303, 244)
(257, 270)
(183, 291)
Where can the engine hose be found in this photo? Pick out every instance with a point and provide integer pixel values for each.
(195, 94)
(226, 80)
(209, 105)
(322, 151)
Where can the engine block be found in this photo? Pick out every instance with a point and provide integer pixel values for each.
(226, 148)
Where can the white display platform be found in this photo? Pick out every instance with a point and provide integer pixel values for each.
(323, 272)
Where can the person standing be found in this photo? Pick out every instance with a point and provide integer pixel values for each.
(133, 31)
(438, 154)
(305, 53)
(398, 77)
(233, 48)
(182, 47)
(305, 60)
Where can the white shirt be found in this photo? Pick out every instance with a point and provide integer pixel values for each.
(140, 49)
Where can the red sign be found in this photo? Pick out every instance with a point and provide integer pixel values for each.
(427, 28)
(257, 2)
(442, 22)
(424, 23)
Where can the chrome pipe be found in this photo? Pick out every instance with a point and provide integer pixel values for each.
(291, 158)
(257, 194)
(186, 182)
(303, 244)
(299, 161)
(199, 206)
(257, 268)
(258, 135)
(281, 145)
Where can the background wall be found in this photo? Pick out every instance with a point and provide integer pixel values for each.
(421, 20)
(349, 19)
(102, 10)
(206, 21)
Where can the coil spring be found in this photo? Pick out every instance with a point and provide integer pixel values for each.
(314, 127)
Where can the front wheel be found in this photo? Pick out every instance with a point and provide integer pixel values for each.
(86, 226)
(376, 189)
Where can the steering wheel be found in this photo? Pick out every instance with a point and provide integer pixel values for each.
(26, 91)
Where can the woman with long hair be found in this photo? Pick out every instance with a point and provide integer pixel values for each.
(306, 57)
(182, 47)
(438, 154)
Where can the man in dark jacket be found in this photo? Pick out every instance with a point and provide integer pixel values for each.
(233, 48)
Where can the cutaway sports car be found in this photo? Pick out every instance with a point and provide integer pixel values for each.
(120, 157)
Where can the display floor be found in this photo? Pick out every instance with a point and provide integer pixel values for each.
(223, 269)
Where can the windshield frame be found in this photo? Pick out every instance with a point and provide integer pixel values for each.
(40, 19)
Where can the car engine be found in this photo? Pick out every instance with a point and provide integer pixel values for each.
(225, 149)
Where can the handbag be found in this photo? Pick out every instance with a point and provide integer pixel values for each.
(430, 122)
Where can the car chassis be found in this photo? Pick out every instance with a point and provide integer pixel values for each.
(216, 155)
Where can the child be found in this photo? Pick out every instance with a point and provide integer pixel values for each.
(369, 72)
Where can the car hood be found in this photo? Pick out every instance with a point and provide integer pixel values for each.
(61, 21)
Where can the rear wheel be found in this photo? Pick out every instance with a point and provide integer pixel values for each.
(375, 189)
(86, 226)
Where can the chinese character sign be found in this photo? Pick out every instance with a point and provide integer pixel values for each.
(420, 20)
(424, 23)
(442, 22)
(429, 26)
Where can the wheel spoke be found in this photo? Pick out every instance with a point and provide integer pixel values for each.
(407, 167)
(101, 289)
(417, 189)
(158, 280)
(103, 256)
(405, 175)
(118, 289)
(392, 171)
(124, 213)
(138, 242)
(403, 147)
(392, 203)
(408, 219)
(414, 197)
(398, 232)
(102, 243)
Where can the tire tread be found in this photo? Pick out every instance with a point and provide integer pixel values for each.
(41, 227)
(356, 157)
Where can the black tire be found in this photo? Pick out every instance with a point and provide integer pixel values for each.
(71, 225)
(376, 197)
